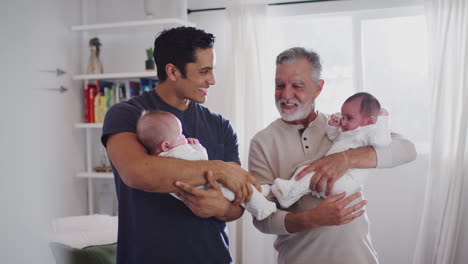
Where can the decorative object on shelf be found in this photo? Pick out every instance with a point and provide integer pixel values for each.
(158, 9)
(150, 7)
(103, 169)
(104, 166)
(149, 60)
(95, 64)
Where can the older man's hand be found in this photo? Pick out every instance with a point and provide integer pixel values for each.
(335, 210)
(327, 171)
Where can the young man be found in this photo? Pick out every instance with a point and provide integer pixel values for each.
(322, 231)
(153, 226)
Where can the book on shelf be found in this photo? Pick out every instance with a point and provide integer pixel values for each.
(100, 108)
(86, 105)
(134, 89)
(127, 89)
(102, 85)
(109, 93)
(120, 93)
(101, 95)
(147, 84)
(89, 94)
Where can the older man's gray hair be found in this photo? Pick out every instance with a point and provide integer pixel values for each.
(291, 55)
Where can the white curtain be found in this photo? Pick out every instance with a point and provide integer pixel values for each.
(247, 97)
(440, 226)
(248, 23)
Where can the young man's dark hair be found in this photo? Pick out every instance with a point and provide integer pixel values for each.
(177, 46)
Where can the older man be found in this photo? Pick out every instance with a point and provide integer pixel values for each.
(323, 231)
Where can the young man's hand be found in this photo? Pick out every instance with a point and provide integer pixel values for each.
(204, 203)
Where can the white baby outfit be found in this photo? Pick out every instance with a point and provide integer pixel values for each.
(289, 191)
(258, 205)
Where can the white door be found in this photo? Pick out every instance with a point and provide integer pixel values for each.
(38, 143)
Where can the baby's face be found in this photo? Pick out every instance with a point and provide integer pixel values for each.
(177, 138)
(352, 117)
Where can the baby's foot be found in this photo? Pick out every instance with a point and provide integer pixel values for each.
(281, 190)
(259, 206)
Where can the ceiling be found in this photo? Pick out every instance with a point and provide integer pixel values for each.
(200, 4)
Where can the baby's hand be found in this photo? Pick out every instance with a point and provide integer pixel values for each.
(192, 141)
(335, 120)
(383, 112)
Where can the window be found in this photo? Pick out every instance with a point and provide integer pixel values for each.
(332, 39)
(385, 55)
(394, 59)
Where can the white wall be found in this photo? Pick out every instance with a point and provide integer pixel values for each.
(39, 143)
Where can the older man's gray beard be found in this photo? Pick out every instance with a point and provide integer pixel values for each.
(301, 113)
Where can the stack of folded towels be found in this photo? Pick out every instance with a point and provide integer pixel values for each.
(87, 239)
(85, 230)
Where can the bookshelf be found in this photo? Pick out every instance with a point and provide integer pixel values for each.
(89, 173)
(124, 30)
(133, 24)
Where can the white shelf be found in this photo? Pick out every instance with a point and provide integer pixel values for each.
(118, 75)
(127, 24)
(88, 125)
(127, 28)
(95, 175)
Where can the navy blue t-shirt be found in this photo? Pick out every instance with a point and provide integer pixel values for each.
(156, 227)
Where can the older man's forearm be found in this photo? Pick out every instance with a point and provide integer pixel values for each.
(273, 224)
(398, 152)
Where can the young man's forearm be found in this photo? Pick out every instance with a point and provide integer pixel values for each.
(158, 174)
(233, 213)
(149, 173)
(161, 173)
(141, 171)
